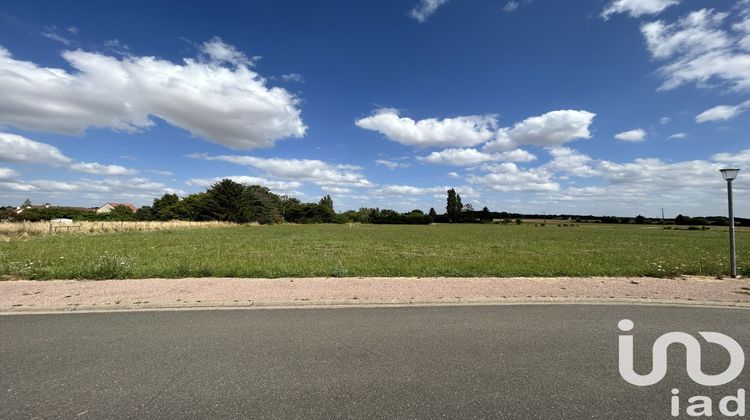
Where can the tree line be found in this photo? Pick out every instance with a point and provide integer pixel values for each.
(230, 201)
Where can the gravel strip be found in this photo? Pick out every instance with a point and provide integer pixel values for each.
(69, 295)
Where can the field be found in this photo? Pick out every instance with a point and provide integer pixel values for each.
(375, 250)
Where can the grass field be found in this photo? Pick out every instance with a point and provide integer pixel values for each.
(376, 250)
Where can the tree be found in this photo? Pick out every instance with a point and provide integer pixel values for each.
(452, 207)
(468, 207)
(26, 203)
(327, 201)
(121, 213)
(486, 214)
(227, 202)
(165, 208)
(640, 219)
(432, 214)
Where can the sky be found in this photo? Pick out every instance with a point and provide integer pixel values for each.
(616, 107)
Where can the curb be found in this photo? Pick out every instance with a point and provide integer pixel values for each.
(353, 304)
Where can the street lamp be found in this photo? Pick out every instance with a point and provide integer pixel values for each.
(729, 175)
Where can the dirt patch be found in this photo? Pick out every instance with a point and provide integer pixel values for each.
(70, 295)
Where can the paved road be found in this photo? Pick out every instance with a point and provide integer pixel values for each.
(531, 361)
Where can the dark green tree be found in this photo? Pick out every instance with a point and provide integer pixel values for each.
(327, 201)
(166, 207)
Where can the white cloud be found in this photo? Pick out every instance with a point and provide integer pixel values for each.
(463, 131)
(678, 136)
(293, 77)
(507, 177)
(391, 164)
(15, 148)
(571, 162)
(665, 120)
(722, 112)
(425, 8)
(273, 185)
(516, 155)
(220, 98)
(457, 157)
(440, 191)
(471, 157)
(7, 174)
(335, 190)
(551, 129)
(700, 49)
(453, 174)
(311, 170)
(88, 191)
(636, 135)
(637, 8)
(99, 169)
(220, 52)
(511, 6)
(739, 159)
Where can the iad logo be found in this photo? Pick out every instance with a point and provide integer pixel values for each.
(700, 405)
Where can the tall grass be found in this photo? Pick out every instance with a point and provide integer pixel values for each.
(376, 250)
(27, 229)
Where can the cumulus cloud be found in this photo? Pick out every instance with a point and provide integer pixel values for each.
(571, 162)
(551, 129)
(425, 8)
(457, 157)
(700, 48)
(507, 177)
(739, 159)
(722, 112)
(99, 169)
(463, 131)
(92, 191)
(637, 8)
(636, 135)
(217, 97)
(15, 148)
(19, 149)
(471, 157)
(678, 136)
(310, 170)
(400, 190)
(7, 174)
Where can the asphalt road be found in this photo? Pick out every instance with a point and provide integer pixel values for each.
(527, 361)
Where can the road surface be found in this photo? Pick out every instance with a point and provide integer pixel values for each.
(524, 361)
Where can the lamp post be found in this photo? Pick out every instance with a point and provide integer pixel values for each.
(729, 175)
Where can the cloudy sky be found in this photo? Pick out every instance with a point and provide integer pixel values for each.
(617, 107)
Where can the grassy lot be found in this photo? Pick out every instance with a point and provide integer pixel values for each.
(376, 250)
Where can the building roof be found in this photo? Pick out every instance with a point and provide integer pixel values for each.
(128, 205)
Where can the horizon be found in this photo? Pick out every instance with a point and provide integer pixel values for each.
(615, 108)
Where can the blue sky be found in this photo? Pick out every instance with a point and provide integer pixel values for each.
(617, 107)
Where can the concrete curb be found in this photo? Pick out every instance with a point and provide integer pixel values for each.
(353, 304)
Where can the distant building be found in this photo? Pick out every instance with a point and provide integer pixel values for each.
(20, 209)
(111, 206)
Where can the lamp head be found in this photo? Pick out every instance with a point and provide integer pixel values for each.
(729, 174)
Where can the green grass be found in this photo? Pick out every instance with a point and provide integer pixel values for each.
(376, 250)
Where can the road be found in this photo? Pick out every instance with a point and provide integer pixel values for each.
(524, 361)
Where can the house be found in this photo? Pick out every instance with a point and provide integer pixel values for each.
(111, 206)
